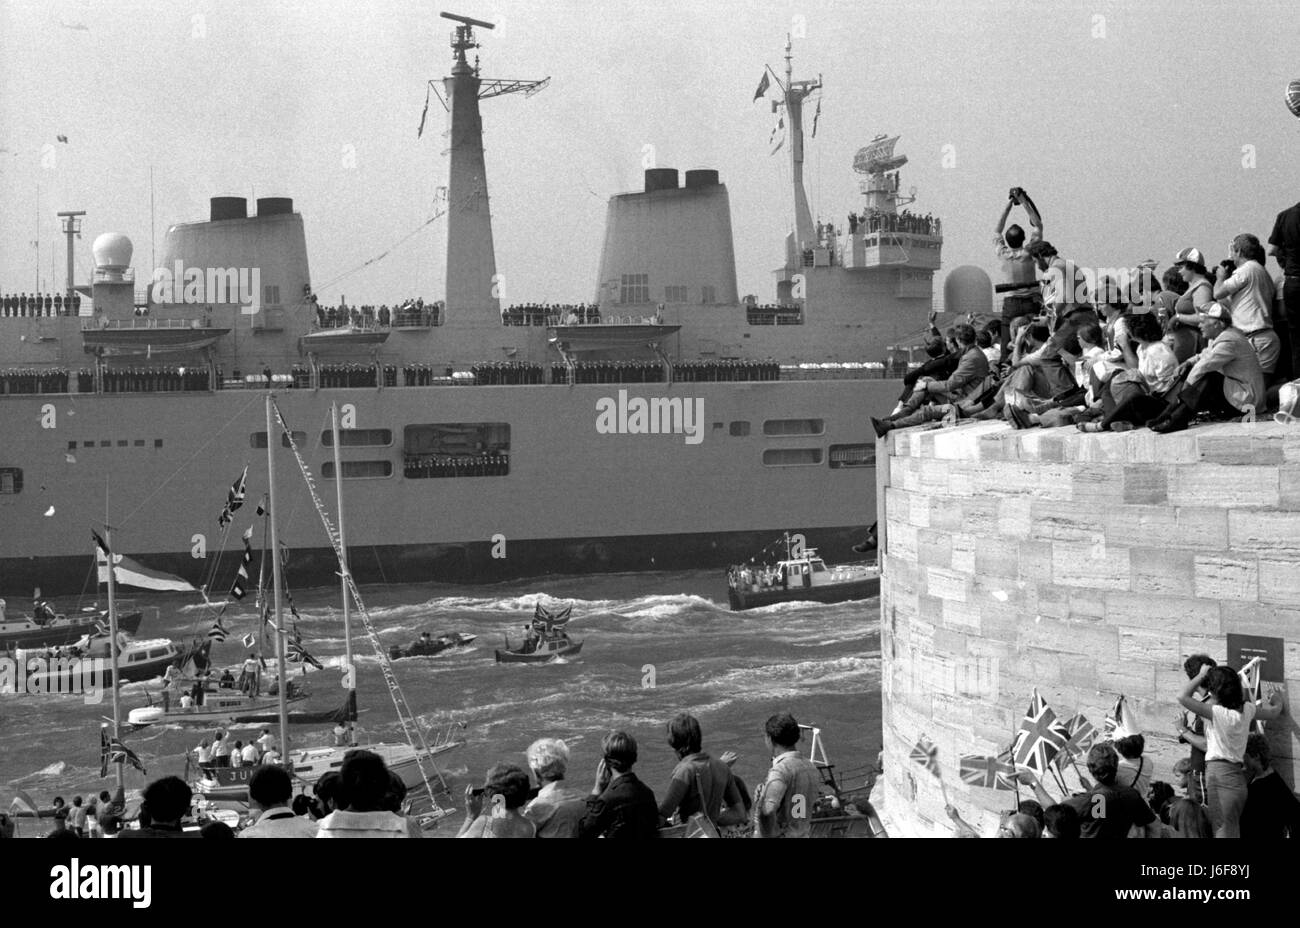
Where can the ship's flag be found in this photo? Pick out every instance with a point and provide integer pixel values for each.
(103, 751)
(297, 654)
(99, 541)
(816, 116)
(132, 573)
(1079, 735)
(261, 505)
(217, 632)
(61, 138)
(988, 772)
(240, 587)
(763, 84)
(926, 754)
(1037, 742)
(22, 801)
(234, 499)
(420, 131)
(1120, 723)
(780, 127)
(249, 640)
(119, 753)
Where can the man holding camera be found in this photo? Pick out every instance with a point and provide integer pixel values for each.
(1021, 295)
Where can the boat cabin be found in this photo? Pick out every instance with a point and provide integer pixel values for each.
(794, 573)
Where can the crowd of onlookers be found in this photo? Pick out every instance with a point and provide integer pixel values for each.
(421, 466)
(1225, 788)
(34, 380)
(364, 799)
(1123, 351)
(609, 372)
(904, 221)
(508, 373)
(154, 379)
(39, 304)
(551, 314)
(408, 313)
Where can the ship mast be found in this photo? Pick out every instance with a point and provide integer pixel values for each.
(283, 686)
(795, 92)
(349, 668)
(472, 285)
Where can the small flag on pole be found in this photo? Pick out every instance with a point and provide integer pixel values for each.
(926, 754)
(240, 587)
(1079, 735)
(988, 772)
(217, 632)
(420, 131)
(816, 116)
(1037, 742)
(100, 542)
(1120, 723)
(248, 640)
(234, 499)
(261, 506)
(763, 84)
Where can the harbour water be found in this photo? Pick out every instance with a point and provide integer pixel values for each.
(656, 644)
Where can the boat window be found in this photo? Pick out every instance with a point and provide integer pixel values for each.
(11, 480)
(456, 449)
(791, 457)
(354, 470)
(794, 427)
(258, 439)
(358, 438)
(635, 288)
(739, 429)
(818, 566)
(853, 456)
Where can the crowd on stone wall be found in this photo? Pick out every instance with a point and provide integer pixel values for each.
(1201, 342)
(39, 304)
(550, 314)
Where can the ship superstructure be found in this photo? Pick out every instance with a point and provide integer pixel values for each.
(674, 425)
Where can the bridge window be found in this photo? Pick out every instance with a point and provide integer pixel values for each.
(791, 457)
(11, 480)
(794, 427)
(674, 294)
(853, 456)
(635, 288)
(357, 470)
(258, 439)
(358, 438)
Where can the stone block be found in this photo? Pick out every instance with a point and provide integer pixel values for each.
(1145, 484)
(1223, 486)
(933, 549)
(1289, 486)
(1140, 644)
(1279, 581)
(947, 584)
(1149, 448)
(1263, 532)
(950, 641)
(1127, 678)
(1053, 521)
(964, 548)
(1087, 605)
(1098, 642)
(1167, 614)
(1223, 577)
(1015, 517)
(1096, 485)
(1231, 444)
(1088, 566)
(1188, 527)
(1162, 571)
(903, 541)
(961, 615)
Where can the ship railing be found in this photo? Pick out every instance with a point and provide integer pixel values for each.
(838, 370)
(140, 322)
(417, 318)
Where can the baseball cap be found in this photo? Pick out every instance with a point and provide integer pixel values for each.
(1189, 256)
(1217, 311)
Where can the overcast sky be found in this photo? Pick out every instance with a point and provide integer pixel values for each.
(1127, 122)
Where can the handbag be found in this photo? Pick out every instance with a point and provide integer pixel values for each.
(700, 825)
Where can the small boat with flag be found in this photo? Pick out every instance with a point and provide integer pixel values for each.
(63, 669)
(47, 628)
(427, 646)
(801, 576)
(545, 640)
(216, 707)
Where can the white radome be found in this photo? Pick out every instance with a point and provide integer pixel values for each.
(112, 250)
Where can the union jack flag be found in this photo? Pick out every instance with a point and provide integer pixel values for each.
(926, 754)
(295, 653)
(988, 772)
(113, 751)
(1038, 741)
(1079, 735)
(234, 499)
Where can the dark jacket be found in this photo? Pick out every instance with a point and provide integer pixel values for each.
(626, 809)
(968, 378)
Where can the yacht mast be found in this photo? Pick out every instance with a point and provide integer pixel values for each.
(349, 668)
(276, 573)
(112, 651)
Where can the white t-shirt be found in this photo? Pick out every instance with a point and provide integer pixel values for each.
(1225, 736)
(266, 741)
(1250, 294)
(250, 755)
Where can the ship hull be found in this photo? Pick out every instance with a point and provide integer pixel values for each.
(831, 593)
(584, 492)
(58, 635)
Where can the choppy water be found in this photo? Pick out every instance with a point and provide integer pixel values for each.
(731, 670)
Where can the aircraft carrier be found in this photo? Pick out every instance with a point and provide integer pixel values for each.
(453, 477)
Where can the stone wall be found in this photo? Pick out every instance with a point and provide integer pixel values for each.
(1087, 566)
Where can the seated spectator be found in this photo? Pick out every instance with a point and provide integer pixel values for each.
(620, 805)
(1188, 819)
(557, 809)
(1060, 821)
(1134, 396)
(365, 784)
(699, 783)
(1182, 339)
(1108, 810)
(165, 802)
(1222, 380)
(269, 792)
(966, 381)
(496, 810)
(984, 341)
(1272, 810)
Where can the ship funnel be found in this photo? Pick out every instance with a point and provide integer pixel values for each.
(701, 178)
(274, 206)
(228, 208)
(660, 179)
(112, 252)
